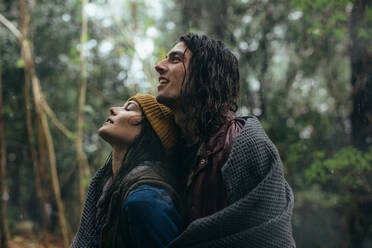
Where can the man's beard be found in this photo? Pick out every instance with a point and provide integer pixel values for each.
(170, 102)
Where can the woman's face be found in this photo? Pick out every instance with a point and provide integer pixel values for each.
(123, 124)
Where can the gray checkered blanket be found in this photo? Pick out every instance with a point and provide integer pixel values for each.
(261, 201)
(87, 228)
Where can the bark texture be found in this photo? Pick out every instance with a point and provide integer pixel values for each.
(361, 78)
(4, 232)
(83, 167)
(359, 216)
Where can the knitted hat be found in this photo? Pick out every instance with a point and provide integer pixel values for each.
(160, 118)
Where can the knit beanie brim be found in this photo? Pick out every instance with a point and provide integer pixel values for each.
(160, 118)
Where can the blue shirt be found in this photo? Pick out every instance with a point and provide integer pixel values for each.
(152, 217)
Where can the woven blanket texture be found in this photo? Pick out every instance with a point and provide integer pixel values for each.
(261, 201)
(86, 231)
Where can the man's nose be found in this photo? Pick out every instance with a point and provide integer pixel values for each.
(160, 67)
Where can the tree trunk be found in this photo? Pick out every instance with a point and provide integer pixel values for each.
(40, 106)
(43, 175)
(361, 74)
(38, 99)
(359, 219)
(83, 167)
(24, 20)
(4, 232)
(52, 160)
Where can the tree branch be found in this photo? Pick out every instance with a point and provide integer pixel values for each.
(45, 105)
(55, 120)
(13, 29)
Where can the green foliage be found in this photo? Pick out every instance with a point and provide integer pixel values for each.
(331, 16)
(295, 76)
(20, 63)
(349, 168)
(86, 181)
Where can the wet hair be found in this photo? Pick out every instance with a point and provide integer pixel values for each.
(212, 86)
(145, 147)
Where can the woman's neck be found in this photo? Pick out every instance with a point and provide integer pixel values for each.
(118, 153)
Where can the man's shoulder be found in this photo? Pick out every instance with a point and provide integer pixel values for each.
(243, 119)
(223, 138)
(238, 123)
(252, 128)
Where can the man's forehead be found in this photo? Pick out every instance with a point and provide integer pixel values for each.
(180, 47)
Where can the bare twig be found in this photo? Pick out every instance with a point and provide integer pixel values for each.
(45, 105)
(11, 27)
(55, 120)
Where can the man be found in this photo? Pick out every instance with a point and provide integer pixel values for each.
(236, 193)
(199, 81)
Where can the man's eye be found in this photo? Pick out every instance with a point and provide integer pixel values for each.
(174, 58)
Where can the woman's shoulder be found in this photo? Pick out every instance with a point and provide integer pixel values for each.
(149, 180)
(147, 170)
(147, 194)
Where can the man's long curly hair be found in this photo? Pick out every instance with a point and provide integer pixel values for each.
(212, 86)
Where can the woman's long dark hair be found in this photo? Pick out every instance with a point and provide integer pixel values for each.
(145, 147)
(212, 86)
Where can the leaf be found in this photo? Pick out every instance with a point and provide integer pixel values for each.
(20, 63)
(148, 22)
(78, 4)
(339, 33)
(86, 181)
(363, 34)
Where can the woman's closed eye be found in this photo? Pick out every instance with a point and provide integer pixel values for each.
(130, 106)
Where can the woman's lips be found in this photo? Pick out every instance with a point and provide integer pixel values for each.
(108, 121)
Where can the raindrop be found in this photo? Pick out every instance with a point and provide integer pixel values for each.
(247, 19)
(306, 132)
(253, 46)
(243, 45)
(295, 15)
(66, 17)
(257, 111)
(38, 60)
(152, 32)
(170, 25)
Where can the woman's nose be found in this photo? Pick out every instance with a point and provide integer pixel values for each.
(113, 111)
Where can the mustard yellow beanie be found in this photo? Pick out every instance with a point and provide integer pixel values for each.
(160, 118)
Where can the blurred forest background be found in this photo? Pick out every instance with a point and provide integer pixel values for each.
(306, 72)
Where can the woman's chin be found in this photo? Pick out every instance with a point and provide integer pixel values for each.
(103, 134)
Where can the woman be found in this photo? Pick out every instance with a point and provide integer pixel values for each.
(132, 201)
